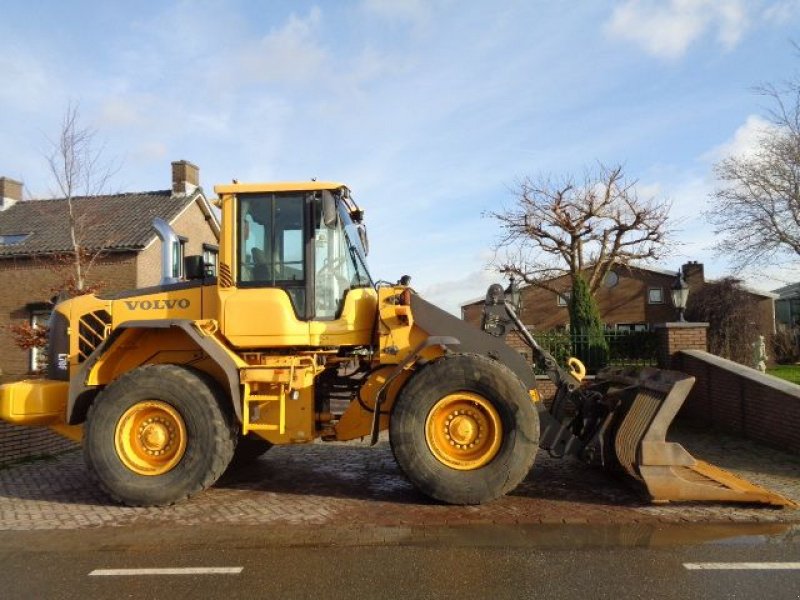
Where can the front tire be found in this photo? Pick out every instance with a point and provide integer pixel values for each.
(464, 430)
(158, 434)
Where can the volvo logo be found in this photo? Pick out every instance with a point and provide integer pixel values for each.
(157, 304)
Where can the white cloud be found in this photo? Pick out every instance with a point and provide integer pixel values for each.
(667, 29)
(745, 140)
(450, 294)
(150, 151)
(290, 54)
(118, 111)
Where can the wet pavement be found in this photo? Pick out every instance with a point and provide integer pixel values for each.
(338, 484)
(532, 561)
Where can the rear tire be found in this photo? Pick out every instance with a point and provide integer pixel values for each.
(464, 430)
(159, 434)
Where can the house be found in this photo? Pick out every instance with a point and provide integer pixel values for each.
(631, 298)
(787, 306)
(116, 229)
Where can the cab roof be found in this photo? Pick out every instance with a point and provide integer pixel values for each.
(277, 186)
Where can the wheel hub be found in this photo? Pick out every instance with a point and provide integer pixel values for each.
(150, 438)
(155, 436)
(463, 431)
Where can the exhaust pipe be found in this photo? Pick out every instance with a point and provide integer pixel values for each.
(168, 239)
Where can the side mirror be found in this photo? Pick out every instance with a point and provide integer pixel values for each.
(328, 209)
(194, 267)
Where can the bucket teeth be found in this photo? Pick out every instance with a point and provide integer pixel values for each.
(666, 469)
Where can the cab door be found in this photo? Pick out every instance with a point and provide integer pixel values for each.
(345, 303)
(269, 304)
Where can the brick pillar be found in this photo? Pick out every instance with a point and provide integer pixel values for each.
(674, 337)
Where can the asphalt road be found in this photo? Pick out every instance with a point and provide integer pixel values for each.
(345, 562)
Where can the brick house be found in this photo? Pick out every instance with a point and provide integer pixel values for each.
(630, 299)
(35, 237)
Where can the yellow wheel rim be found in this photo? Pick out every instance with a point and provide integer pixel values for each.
(463, 431)
(150, 438)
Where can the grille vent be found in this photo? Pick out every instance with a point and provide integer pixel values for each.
(225, 278)
(92, 329)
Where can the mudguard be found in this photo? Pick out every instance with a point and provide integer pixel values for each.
(80, 394)
(438, 322)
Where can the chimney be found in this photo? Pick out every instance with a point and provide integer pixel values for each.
(185, 177)
(693, 273)
(10, 192)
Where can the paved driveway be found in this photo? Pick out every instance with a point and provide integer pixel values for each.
(337, 484)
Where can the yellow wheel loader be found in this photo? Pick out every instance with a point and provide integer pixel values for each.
(292, 340)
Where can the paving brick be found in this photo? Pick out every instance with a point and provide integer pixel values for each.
(334, 484)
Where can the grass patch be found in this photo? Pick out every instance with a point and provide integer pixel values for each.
(787, 372)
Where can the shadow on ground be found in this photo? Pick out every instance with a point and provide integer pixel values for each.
(321, 470)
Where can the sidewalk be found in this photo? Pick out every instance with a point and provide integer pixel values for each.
(340, 484)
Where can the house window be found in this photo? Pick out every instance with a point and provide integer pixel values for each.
(12, 239)
(210, 256)
(178, 252)
(655, 295)
(562, 299)
(628, 327)
(38, 356)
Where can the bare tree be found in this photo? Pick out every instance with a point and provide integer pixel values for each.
(564, 227)
(757, 200)
(79, 169)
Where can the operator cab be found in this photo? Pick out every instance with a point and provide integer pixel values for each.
(297, 253)
(307, 244)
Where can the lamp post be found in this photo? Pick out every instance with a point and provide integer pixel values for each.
(513, 295)
(680, 295)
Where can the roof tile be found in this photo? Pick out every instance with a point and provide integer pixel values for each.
(120, 221)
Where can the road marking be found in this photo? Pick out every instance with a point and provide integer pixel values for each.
(173, 571)
(743, 566)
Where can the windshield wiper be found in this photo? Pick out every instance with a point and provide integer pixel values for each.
(364, 279)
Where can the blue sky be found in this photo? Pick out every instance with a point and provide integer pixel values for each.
(429, 110)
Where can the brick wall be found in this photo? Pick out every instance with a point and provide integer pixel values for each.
(33, 280)
(546, 388)
(741, 400)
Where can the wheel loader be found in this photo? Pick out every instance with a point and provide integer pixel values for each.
(293, 340)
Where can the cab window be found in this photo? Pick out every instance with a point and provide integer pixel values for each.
(271, 248)
(338, 268)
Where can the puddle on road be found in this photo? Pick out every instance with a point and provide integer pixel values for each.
(641, 535)
(541, 537)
